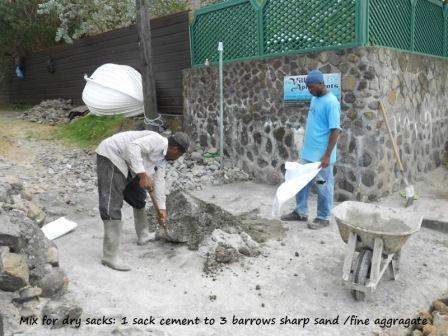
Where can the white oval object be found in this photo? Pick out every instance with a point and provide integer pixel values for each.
(114, 89)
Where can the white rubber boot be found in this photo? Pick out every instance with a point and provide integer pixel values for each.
(141, 226)
(111, 246)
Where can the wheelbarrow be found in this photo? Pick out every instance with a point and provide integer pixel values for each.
(374, 236)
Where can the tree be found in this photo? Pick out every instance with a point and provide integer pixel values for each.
(165, 7)
(211, 2)
(22, 31)
(80, 18)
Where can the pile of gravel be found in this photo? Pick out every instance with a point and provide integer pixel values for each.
(49, 112)
(75, 170)
(434, 321)
(194, 172)
(31, 279)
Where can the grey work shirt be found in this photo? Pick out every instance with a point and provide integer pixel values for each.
(139, 152)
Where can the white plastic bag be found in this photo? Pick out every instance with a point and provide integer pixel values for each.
(296, 178)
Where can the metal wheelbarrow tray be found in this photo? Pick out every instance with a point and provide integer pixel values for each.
(377, 235)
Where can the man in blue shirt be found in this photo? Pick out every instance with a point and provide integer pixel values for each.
(321, 136)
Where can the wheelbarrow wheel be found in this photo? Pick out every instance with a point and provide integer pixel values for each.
(362, 272)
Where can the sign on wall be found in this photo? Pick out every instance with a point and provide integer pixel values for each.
(295, 88)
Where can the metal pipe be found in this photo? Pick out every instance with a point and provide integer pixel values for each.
(221, 101)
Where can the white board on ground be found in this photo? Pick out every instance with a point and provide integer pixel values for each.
(58, 228)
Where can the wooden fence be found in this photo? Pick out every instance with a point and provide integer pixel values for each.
(170, 50)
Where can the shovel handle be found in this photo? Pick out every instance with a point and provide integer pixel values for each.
(156, 206)
(394, 145)
(154, 202)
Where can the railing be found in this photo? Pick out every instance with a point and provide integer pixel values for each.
(251, 30)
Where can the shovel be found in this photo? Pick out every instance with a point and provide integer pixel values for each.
(409, 189)
(168, 236)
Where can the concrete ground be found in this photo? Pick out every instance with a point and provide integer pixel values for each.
(298, 276)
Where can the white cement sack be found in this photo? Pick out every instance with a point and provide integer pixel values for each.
(296, 178)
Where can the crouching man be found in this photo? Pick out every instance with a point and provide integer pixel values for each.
(129, 164)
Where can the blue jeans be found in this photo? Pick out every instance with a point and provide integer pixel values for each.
(325, 189)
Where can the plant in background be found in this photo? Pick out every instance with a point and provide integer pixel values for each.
(31, 25)
(22, 31)
(165, 7)
(211, 2)
(80, 18)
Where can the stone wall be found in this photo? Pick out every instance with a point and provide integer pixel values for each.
(262, 132)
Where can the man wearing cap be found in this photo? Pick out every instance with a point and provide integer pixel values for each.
(321, 135)
(129, 164)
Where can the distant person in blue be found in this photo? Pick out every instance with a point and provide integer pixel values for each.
(321, 136)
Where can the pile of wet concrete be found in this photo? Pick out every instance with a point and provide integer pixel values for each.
(220, 237)
(32, 284)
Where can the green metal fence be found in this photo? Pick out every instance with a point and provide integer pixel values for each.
(251, 29)
(413, 25)
(389, 23)
(445, 42)
(289, 26)
(235, 23)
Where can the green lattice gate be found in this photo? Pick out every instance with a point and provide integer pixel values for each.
(235, 23)
(309, 25)
(413, 25)
(252, 30)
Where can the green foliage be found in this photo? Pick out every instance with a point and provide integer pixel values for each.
(80, 18)
(211, 2)
(22, 30)
(165, 7)
(91, 130)
(31, 25)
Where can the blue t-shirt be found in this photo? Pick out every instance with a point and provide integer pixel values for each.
(324, 115)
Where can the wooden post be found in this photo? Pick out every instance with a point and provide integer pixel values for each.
(148, 81)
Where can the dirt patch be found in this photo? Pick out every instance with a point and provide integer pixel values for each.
(12, 130)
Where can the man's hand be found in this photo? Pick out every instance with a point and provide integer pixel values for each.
(146, 182)
(325, 161)
(163, 217)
